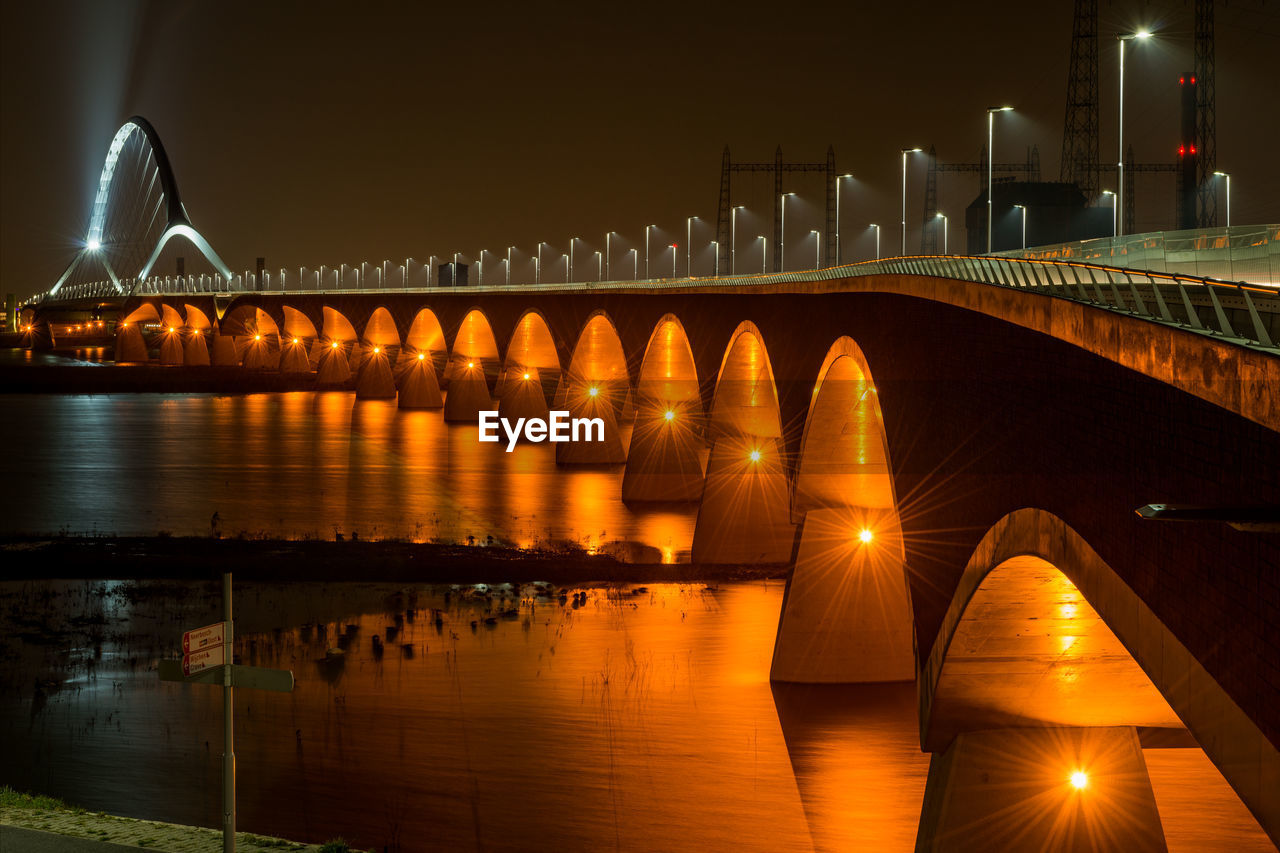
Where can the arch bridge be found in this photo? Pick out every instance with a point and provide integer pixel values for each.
(948, 454)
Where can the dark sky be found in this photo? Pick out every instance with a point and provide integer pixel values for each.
(313, 134)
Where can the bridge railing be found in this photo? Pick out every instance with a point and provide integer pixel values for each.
(1243, 313)
(1241, 253)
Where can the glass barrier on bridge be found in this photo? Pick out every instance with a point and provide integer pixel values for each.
(1247, 314)
(1249, 253)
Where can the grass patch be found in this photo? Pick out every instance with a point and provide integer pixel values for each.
(11, 799)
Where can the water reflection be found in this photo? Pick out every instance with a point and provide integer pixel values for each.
(310, 464)
(492, 717)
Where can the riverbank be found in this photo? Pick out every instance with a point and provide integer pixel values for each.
(50, 815)
(197, 558)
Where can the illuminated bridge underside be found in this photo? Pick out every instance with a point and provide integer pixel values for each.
(924, 410)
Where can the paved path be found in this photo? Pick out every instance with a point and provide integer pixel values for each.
(15, 839)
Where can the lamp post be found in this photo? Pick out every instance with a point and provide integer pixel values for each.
(877, 227)
(673, 249)
(991, 139)
(782, 243)
(1227, 178)
(453, 272)
(1113, 211)
(715, 247)
(817, 248)
(568, 271)
(647, 229)
(480, 266)
(839, 184)
(1023, 208)
(635, 264)
(688, 246)
(599, 266)
(945, 223)
(606, 254)
(905, 152)
(509, 250)
(1140, 35)
(565, 258)
(764, 254)
(733, 239)
(537, 265)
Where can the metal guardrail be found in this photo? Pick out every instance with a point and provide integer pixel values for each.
(1241, 253)
(1238, 312)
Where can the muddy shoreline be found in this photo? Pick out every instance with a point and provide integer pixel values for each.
(200, 558)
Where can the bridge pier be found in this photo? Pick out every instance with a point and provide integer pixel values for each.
(468, 393)
(195, 351)
(523, 396)
(293, 357)
(745, 513)
(593, 400)
(419, 388)
(171, 346)
(333, 368)
(846, 614)
(130, 347)
(664, 463)
(374, 380)
(1046, 789)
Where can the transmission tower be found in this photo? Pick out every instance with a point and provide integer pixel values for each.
(1080, 163)
(1206, 117)
(724, 214)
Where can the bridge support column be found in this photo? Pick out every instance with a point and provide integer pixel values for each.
(171, 347)
(195, 350)
(224, 349)
(130, 347)
(846, 614)
(333, 369)
(745, 516)
(293, 358)
(664, 462)
(610, 451)
(374, 380)
(419, 388)
(1045, 789)
(468, 393)
(523, 396)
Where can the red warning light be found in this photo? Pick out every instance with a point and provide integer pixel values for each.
(1193, 149)
(1193, 81)
(1182, 81)
(1182, 150)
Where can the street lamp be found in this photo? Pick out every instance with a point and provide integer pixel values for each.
(480, 266)
(877, 227)
(569, 269)
(1113, 211)
(565, 258)
(673, 247)
(839, 260)
(764, 254)
(635, 264)
(599, 266)
(1140, 35)
(991, 139)
(782, 242)
(905, 152)
(606, 253)
(537, 264)
(1228, 180)
(688, 246)
(817, 248)
(509, 250)
(733, 239)
(647, 229)
(715, 247)
(1023, 208)
(943, 217)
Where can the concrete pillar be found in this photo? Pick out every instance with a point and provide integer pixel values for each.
(374, 380)
(846, 614)
(293, 358)
(195, 350)
(257, 355)
(607, 452)
(333, 369)
(468, 394)
(523, 396)
(224, 350)
(170, 347)
(419, 388)
(745, 516)
(664, 462)
(1018, 789)
(130, 347)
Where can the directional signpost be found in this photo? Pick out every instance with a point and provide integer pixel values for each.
(208, 658)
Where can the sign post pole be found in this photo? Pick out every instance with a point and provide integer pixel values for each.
(228, 732)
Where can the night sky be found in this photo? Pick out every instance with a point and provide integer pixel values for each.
(314, 134)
